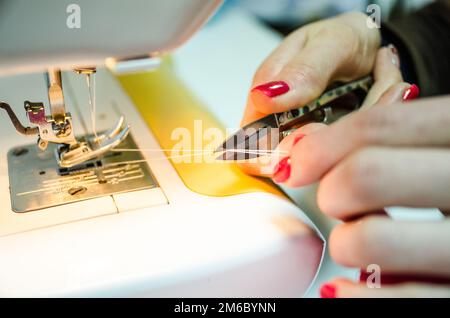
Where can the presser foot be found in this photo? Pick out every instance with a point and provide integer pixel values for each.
(71, 155)
(69, 151)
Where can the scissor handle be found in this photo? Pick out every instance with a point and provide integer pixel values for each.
(328, 107)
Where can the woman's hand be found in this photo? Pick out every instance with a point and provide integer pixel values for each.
(388, 155)
(394, 153)
(300, 69)
(388, 88)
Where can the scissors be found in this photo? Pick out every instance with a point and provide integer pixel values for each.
(261, 137)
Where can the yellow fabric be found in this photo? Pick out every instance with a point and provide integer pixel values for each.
(165, 104)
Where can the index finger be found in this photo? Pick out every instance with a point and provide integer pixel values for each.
(424, 124)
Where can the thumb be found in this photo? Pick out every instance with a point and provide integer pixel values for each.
(300, 81)
(302, 67)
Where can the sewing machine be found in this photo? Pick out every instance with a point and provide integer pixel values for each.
(102, 207)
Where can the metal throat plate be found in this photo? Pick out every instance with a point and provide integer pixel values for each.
(37, 182)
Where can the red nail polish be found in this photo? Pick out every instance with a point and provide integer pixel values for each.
(328, 291)
(272, 89)
(282, 170)
(411, 93)
(297, 139)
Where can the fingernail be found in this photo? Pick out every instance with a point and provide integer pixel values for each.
(328, 291)
(395, 57)
(393, 49)
(298, 138)
(411, 93)
(282, 170)
(272, 89)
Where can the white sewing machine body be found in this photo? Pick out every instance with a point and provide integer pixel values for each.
(39, 34)
(164, 240)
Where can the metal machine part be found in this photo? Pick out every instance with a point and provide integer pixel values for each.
(58, 127)
(36, 184)
(133, 64)
(27, 131)
(58, 44)
(94, 147)
(52, 130)
(57, 105)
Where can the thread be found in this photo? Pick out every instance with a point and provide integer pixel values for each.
(200, 150)
(191, 153)
(90, 80)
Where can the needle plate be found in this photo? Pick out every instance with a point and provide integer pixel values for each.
(37, 182)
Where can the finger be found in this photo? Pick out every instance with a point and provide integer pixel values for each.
(376, 177)
(344, 288)
(281, 56)
(424, 123)
(393, 95)
(271, 67)
(310, 71)
(266, 167)
(386, 74)
(300, 81)
(397, 247)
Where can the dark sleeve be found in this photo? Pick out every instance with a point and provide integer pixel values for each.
(423, 41)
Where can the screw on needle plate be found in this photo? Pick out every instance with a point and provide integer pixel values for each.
(20, 152)
(77, 190)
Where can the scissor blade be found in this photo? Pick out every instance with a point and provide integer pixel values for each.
(252, 141)
(239, 147)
